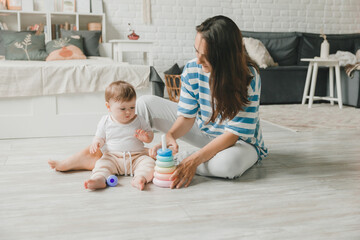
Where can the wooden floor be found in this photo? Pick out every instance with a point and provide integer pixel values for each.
(308, 188)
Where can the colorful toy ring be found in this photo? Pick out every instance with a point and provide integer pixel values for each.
(162, 176)
(161, 183)
(164, 170)
(165, 164)
(164, 159)
(165, 153)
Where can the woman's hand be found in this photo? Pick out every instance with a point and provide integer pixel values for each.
(185, 172)
(170, 143)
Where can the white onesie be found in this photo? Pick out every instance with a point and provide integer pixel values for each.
(120, 137)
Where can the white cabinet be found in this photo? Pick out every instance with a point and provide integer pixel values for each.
(20, 20)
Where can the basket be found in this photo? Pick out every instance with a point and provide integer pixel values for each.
(173, 86)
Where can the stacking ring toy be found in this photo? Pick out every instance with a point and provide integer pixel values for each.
(165, 166)
(162, 183)
(112, 181)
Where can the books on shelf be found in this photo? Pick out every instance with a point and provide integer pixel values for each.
(56, 29)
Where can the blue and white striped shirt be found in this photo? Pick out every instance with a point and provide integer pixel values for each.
(195, 101)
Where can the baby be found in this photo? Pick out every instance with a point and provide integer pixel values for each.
(121, 136)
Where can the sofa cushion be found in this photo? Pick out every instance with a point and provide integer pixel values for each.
(283, 47)
(7, 32)
(91, 40)
(310, 44)
(24, 46)
(65, 48)
(258, 52)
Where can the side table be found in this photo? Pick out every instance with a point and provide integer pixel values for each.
(314, 64)
(121, 46)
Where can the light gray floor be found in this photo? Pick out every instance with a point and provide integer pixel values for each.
(308, 188)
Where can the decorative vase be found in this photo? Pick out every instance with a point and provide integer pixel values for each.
(133, 36)
(325, 48)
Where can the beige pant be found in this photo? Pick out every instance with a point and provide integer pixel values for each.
(114, 163)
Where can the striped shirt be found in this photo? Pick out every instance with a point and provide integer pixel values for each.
(195, 101)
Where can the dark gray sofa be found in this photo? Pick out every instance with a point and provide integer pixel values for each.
(285, 83)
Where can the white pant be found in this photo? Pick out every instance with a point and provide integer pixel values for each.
(228, 163)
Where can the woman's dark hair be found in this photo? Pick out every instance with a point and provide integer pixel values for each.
(230, 75)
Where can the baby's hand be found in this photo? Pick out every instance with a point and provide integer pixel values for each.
(94, 146)
(142, 135)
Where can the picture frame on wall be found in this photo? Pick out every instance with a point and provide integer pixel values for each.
(13, 4)
(68, 5)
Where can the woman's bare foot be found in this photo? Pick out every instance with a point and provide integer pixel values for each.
(139, 182)
(96, 183)
(82, 160)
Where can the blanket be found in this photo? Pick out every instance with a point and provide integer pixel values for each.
(350, 68)
(39, 78)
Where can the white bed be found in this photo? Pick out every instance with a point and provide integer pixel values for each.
(60, 98)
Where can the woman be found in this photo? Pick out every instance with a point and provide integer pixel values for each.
(220, 91)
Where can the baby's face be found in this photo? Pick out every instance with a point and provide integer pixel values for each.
(123, 112)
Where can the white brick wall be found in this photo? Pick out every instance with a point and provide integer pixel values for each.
(174, 21)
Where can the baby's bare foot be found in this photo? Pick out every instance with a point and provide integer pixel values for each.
(139, 182)
(52, 163)
(96, 183)
(62, 166)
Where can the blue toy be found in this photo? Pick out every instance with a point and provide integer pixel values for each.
(112, 181)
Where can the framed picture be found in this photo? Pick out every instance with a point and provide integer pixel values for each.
(68, 5)
(14, 4)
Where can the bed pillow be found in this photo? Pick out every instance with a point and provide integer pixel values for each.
(91, 40)
(258, 52)
(24, 46)
(65, 48)
(2, 32)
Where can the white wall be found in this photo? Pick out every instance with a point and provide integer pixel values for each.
(174, 21)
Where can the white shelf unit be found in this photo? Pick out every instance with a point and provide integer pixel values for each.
(20, 20)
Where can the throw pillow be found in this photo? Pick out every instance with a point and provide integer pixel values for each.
(258, 52)
(2, 32)
(91, 40)
(282, 46)
(24, 46)
(65, 49)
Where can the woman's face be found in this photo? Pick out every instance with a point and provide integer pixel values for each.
(200, 48)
